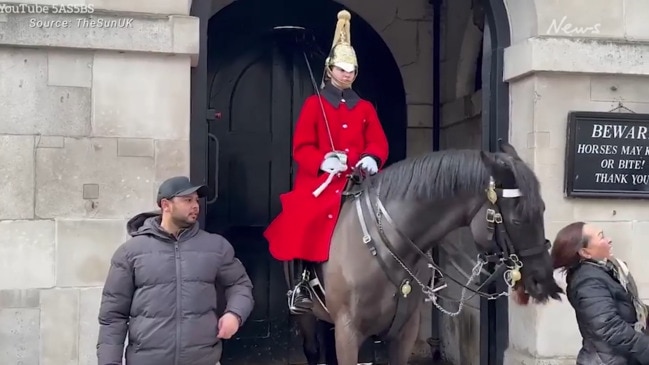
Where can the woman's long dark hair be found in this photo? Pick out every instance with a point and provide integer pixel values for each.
(566, 246)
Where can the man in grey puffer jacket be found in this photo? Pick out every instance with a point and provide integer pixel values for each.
(161, 287)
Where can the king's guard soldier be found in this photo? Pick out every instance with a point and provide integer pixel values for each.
(335, 132)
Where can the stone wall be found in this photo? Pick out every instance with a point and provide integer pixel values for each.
(88, 129)
(594, 60)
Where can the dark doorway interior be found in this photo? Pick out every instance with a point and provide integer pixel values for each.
(257, 80)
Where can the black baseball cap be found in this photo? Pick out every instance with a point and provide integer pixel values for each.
(179, 186)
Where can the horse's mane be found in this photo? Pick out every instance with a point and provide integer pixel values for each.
(450, 173)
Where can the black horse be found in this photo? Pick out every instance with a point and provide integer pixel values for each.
(379, 274)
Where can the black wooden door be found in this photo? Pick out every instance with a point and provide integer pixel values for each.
(255, 94)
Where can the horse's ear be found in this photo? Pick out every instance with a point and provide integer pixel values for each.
(496, 167)
(508, 149)
(489, 161)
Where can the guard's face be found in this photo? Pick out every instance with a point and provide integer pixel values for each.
(342, 75)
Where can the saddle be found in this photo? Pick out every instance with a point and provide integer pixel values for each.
(354, 185)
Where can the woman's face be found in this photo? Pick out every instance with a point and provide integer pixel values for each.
(599, 246)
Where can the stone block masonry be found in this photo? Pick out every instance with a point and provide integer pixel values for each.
(92, 121)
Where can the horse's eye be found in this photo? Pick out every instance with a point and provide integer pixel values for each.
(516, 222)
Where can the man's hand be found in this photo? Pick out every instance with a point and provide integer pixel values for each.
(332, 164)
(228, 325)
(368, 164)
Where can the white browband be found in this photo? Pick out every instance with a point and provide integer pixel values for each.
(511, 193)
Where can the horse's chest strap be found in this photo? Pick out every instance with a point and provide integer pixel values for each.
(393, 275)
(367, 239)
(398, 277)
(401, 316)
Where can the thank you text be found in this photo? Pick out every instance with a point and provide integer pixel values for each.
(607, 155)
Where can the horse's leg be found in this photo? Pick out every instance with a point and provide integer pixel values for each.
(348, 341)
(400, 348)
(308, 329)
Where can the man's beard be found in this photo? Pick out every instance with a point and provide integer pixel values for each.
(182, 223)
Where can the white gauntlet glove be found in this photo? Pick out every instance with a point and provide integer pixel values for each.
(368, 164)
(332, 164)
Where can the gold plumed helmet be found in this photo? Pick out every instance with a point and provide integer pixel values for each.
(342, 53)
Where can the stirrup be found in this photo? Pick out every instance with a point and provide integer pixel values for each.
(292, 294)
(294, 309)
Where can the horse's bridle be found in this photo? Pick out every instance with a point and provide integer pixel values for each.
(505, 255)
(497, 232)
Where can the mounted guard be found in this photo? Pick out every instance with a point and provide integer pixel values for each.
(336, 131)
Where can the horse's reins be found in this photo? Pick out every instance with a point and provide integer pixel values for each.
(382, 212)
(507, 255)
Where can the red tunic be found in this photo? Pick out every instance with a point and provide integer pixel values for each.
(304, 228)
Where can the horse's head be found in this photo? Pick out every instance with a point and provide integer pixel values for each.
(513, 199)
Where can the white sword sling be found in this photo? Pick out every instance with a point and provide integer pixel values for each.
(342, 156)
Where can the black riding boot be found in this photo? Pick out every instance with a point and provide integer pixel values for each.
(300, 297)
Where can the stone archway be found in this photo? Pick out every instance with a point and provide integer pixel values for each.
(379, 68)
(523, 20)
(391, 21)
(242, 36)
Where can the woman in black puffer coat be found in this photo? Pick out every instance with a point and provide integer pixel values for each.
(611, 318)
